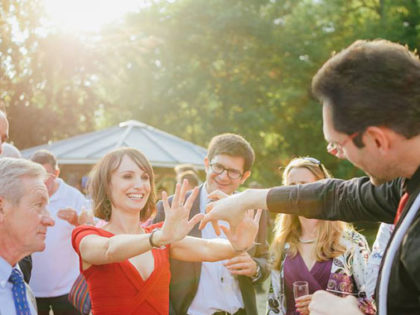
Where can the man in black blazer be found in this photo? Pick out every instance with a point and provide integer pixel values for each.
(224, 287)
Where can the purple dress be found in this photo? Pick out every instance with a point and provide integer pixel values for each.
(296, 270)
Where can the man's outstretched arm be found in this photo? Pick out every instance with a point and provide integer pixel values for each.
(332, 199)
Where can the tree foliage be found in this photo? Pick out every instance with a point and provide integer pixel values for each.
(194, 68)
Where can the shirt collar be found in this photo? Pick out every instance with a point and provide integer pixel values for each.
(410, 185)
(5, 270)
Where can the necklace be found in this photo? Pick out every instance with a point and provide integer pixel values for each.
(307, 241)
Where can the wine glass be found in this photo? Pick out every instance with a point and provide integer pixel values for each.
(300, 288)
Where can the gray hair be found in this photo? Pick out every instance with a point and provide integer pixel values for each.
(12, 171)
(9, 150)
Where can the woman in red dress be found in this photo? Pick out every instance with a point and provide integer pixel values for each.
(127, 266)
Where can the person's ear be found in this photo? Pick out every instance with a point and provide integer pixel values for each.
(2, 209)
(245, 176)
(57, 172)
(206, 164)
(379, 137)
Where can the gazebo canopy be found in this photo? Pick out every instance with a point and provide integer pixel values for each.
(162, 149)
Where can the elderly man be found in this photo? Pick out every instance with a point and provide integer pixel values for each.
(371, 114)
(24, 220)
(8, 150)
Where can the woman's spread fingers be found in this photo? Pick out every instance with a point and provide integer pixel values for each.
(165, 201)
(195, 219)
(191, 198)
(184, 189)
(216, 227)
(226, 230)
(175, 200)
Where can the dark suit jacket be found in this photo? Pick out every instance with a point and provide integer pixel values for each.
(25, 266)
(185, 276)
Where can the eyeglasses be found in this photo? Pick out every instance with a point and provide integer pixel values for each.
(317, 162)
(231, 172)
(336, 148)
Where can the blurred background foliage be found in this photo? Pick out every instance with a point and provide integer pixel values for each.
(194, 68)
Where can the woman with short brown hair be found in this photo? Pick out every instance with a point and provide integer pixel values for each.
(127, 266)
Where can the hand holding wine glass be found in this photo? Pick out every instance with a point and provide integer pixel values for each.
(302, 297)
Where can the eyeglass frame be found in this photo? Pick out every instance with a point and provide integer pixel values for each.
(228, 170)
(336, 148)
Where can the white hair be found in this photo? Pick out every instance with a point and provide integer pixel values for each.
(12, 171)
(9, 150)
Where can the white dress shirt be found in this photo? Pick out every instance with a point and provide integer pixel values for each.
(7, 305)
(55, 269)
(218, 290)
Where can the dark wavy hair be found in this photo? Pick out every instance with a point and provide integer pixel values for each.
(371, 83)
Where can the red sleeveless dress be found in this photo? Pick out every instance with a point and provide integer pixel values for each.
(118, 288)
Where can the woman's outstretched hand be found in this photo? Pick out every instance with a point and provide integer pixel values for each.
(242, 236)
(177, 224)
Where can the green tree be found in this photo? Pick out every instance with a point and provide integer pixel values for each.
(193, 68)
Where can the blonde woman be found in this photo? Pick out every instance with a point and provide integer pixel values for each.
(329, 255)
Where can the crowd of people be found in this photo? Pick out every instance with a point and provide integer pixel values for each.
(140, 255)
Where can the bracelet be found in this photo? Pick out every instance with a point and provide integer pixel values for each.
(151, 240)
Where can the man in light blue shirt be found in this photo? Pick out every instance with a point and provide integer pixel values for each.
(24, 220)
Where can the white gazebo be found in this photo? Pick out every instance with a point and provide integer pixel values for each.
(76, 155)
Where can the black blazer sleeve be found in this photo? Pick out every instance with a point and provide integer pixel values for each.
(25, 265)
(334, 199)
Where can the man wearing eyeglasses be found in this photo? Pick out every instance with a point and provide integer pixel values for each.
(371, 116)
(224, 287)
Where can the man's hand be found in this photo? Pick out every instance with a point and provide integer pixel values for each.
(217, 196)
(85, 217)
(242, 264)
(70, 215)
(324, 303)
(242, 237)
(233, 208)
